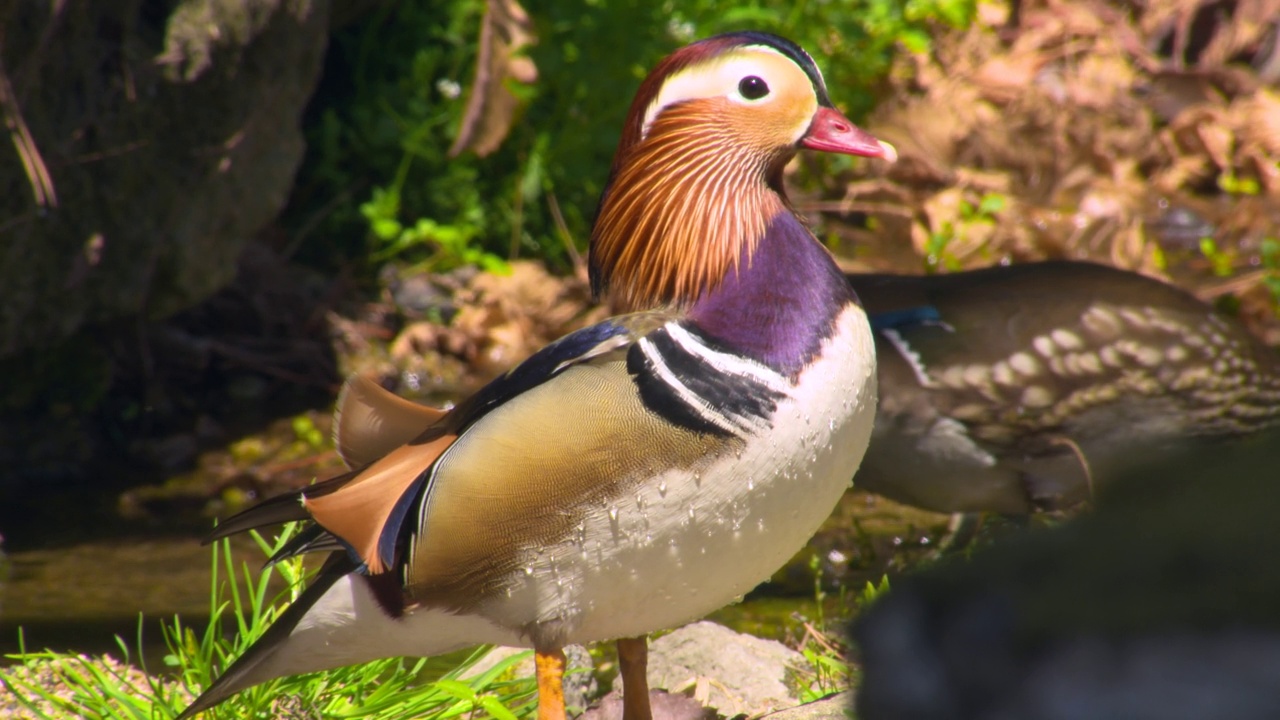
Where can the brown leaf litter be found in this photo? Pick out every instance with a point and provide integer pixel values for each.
(1090, 123)
(499, 319)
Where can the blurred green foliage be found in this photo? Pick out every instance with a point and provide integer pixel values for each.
(377, 182)
(1221, 259)
(936, 255)
(1269, 251)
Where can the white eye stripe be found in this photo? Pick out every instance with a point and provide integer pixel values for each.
(716, 79)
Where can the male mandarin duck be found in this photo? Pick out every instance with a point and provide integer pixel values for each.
(633, 475)
(1017, 388)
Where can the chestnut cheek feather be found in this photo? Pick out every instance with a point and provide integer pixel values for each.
(831, 131)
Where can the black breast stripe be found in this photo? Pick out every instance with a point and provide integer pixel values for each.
(682, 382)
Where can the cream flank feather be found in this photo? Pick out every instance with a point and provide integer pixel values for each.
(370, 421)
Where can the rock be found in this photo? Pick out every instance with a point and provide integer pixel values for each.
(726, 671)
(153, 146)
(833, 707)
(1159, 605)
(665, 706)
(255, 350)
(418, 295)
(171, 454)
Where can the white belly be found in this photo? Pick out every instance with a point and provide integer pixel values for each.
(678, 547)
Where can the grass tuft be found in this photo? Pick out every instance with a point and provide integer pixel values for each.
(48, 685)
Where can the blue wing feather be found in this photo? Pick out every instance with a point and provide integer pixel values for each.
(905, 318)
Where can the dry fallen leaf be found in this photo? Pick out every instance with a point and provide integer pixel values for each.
(491, 106)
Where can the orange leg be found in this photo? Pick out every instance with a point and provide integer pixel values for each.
(633, 663)
(549, 668)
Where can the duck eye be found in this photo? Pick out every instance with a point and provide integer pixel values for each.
(753, 88)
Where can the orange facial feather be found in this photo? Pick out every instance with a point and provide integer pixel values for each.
(652, 85)
(682, 206)
(371, 421)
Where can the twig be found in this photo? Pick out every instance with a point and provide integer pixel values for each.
(255, 362)
(1243, 281)
(1083, 459)
(848, 206)
(289, 465)
(32, 163)
(820, 638)
(110, 153)
(313, 221)
(566, 237)
(517, 223)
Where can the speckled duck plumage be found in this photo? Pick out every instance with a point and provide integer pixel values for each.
(1014, 388)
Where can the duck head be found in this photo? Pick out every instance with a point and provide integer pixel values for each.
(697, 177)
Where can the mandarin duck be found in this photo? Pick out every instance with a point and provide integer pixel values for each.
(1011, 389)
(633, 475)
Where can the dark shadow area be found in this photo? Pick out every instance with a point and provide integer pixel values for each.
(95, 636)
(1161, 604)
(134, 404)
